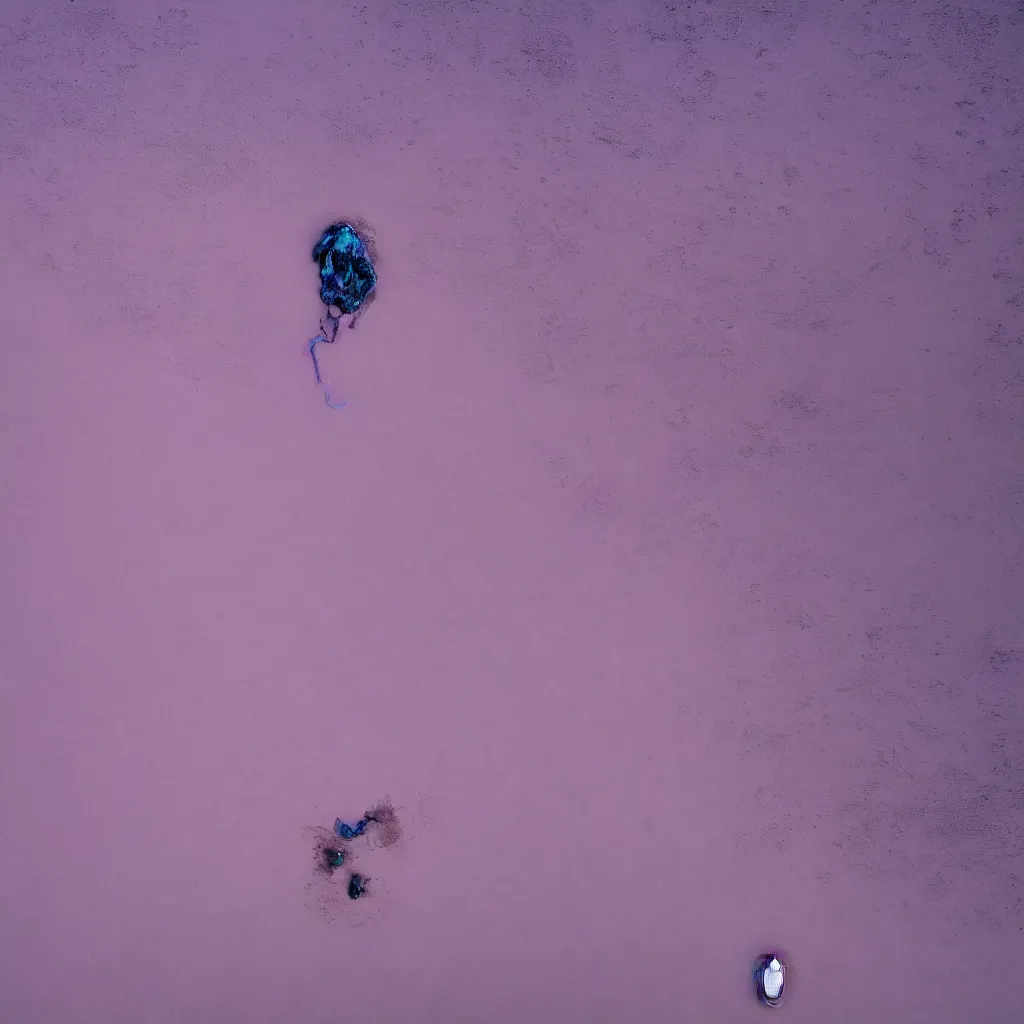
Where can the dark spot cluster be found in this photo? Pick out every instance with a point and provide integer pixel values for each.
(336, 849)
(387, 830)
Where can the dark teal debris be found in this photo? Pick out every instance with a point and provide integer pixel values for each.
(347, 280)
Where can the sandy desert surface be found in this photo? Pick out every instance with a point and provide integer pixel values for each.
(663, 571)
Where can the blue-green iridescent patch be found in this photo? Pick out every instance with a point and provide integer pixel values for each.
(347, 280)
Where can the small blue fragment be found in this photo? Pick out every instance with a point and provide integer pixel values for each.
(350, 831)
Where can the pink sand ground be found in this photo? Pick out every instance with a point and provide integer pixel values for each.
(664, 569)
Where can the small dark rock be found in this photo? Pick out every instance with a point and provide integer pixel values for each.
(357, 886)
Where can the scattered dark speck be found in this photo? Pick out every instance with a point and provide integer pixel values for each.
(998, 660)
(386, 827)
(798, 403)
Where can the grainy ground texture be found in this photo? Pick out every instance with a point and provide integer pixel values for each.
(663, 571)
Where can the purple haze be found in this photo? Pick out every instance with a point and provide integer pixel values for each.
(664, 569)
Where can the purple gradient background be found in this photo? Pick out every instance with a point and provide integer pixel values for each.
(664, 569)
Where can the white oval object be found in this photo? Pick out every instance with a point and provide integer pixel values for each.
(773, 979)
